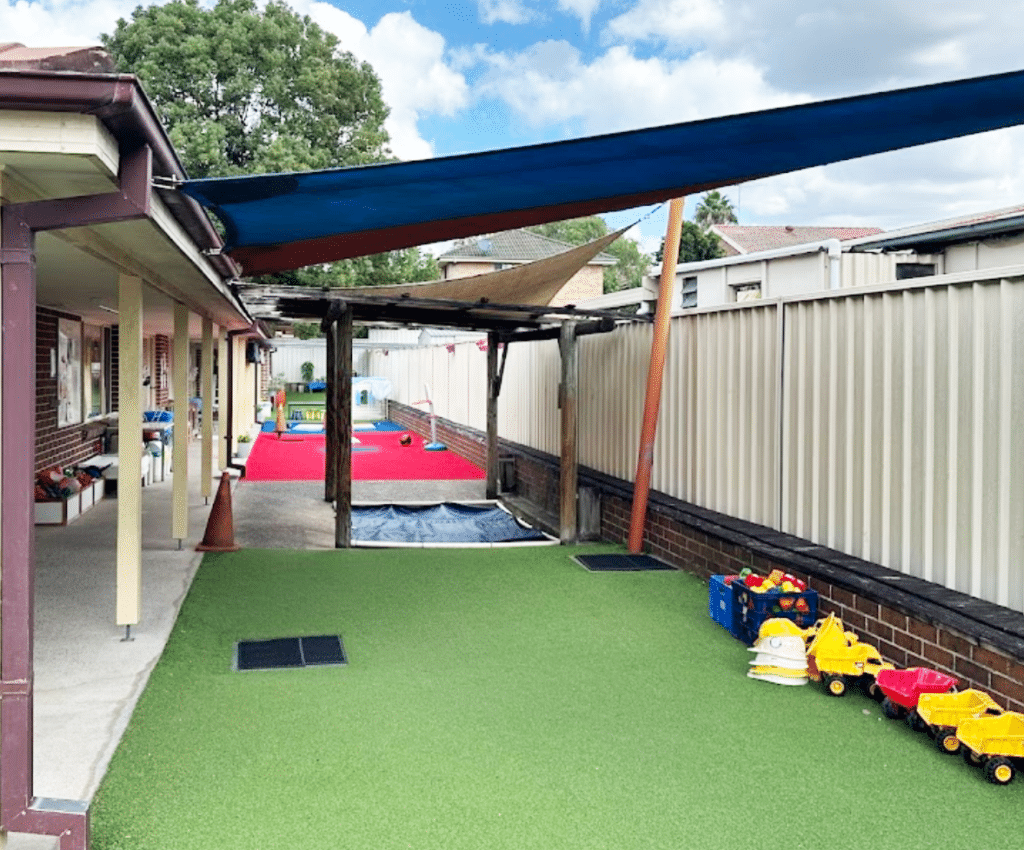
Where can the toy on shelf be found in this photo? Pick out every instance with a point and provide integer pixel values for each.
(903, 688)
(834, 655)
(781, 657)
(993, 743)
(940, 715)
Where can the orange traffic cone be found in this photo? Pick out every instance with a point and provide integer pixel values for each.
(220, 529)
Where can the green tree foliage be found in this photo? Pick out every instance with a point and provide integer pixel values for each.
(695, 244)
(632, 262)
(714, 208)
(244, 90)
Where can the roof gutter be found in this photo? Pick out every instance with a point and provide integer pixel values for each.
(932, 238)
(119, 101)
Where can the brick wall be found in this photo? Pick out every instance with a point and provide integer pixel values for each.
(161, 377)
(913, 624)
(56, 446)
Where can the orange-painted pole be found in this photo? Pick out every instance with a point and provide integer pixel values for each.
(652, 404)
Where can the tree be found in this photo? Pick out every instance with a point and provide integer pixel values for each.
(248, 90)
(245, 90)
(695, 244)
(714, 208)
(627, 273)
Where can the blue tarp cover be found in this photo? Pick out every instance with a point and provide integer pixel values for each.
(282, 221)
(444, 523)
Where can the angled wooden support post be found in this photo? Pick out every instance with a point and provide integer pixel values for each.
(568, 397)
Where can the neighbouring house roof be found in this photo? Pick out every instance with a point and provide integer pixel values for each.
(512, 246)
(927, 238)
(91, 59)
(750, 239)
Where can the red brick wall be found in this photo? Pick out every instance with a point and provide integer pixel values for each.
(161, 380)
(56, 446)
(905, 639)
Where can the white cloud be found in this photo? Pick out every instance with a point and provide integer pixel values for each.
(410, 61)
(50, 23)
(549, 84)
(505, 11)
(682, 22)
(582, 9)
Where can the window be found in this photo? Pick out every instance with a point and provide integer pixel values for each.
(689, 292)
(747, 292)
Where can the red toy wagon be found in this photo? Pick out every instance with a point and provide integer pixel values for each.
(902, 688)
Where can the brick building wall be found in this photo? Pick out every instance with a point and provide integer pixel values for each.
(55, 446)
(912, 622)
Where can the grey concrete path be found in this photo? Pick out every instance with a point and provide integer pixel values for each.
(87, 678)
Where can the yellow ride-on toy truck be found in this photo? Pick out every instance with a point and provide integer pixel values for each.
(994, 743)
(941, 715)
(835, 655)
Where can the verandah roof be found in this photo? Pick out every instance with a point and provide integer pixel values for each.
(283, 221)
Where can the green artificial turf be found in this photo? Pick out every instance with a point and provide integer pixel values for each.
(508, 698)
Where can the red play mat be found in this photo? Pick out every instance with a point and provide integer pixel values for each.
(378, 456)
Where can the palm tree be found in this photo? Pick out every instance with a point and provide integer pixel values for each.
(714, 208)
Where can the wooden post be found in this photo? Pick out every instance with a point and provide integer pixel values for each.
(129, 452)
(568, 397)
(342, 367)
(655, 373)
(206, 394)
(180, 440)
(330, 417)
(493, 483)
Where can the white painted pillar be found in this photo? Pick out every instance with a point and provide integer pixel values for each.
(129, 452)
(224, 450)
(179, 454)
(206, 393)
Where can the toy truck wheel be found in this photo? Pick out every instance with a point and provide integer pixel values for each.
(972, 758)
(999, 770)
(836, 684)
(947, 742)
(870, 688)
(891, 709)
(915, 722)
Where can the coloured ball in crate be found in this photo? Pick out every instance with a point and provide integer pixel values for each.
(405, 440)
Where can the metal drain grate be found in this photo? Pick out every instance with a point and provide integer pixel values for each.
(621, 563)
(277, 653)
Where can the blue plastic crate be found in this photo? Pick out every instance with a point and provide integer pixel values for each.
(722, 604)
(752, 609)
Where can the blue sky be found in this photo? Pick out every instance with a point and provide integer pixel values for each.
(469, 75)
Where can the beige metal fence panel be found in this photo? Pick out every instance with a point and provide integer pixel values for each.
(903, 410)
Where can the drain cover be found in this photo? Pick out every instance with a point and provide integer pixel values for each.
(277, 653)
(621, 563)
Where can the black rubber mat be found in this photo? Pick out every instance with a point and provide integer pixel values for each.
(621, 563)
(290, 652)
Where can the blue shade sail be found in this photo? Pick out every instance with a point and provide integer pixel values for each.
(283, 221)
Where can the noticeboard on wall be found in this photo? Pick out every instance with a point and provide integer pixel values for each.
(69, 373)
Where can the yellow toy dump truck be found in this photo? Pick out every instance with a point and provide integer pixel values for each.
(994, 743)
(834, 655)
(941, 715)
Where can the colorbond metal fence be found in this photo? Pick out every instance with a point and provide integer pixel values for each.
(885, 422)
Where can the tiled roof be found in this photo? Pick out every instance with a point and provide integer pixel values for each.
(17, 57)
(743, 239)
(512, 246)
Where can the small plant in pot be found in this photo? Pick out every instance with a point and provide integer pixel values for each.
(244, 445)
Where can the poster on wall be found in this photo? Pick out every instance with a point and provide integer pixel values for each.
(69, 373)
